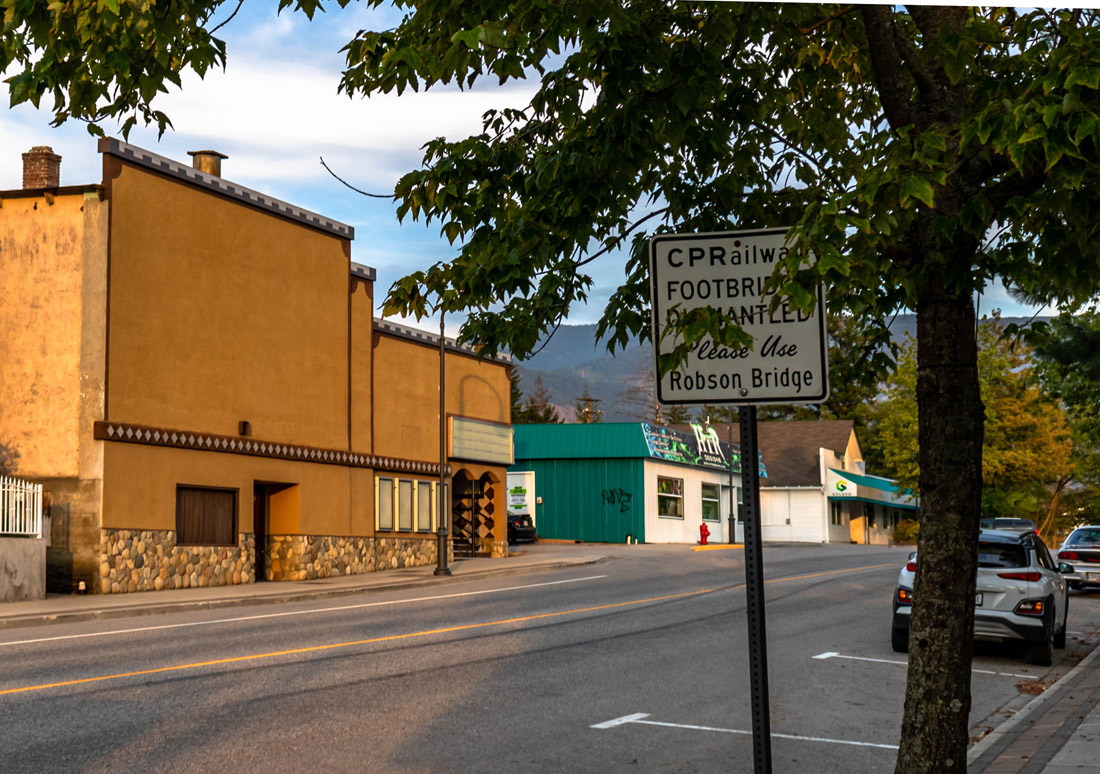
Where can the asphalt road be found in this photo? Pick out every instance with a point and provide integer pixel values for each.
(636, 664)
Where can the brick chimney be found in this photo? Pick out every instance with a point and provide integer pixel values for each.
(41, 168)
(208, 161)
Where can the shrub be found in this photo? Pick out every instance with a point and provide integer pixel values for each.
(906, 531)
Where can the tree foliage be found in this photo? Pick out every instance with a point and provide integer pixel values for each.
(538, 410)
(1027, 445)
(917, 153)
(1067, 353)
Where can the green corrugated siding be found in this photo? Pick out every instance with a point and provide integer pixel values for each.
(594, 500)
(554, 442)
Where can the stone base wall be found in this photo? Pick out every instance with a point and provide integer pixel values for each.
(496, 549)
(150, 560)
(307, 557)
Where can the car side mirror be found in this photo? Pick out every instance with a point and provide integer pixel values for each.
(1065, 567)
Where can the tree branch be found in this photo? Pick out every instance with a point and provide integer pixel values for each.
(886, 65)
(831, 17)
(239, 4)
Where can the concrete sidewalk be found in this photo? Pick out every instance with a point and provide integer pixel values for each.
(1058, 732)
(65, 608)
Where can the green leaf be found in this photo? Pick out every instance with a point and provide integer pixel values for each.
(917, 188)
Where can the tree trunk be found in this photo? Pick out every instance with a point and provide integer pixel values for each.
(935, 725)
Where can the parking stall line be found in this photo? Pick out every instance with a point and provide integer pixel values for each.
(639, 718)
(832, 654)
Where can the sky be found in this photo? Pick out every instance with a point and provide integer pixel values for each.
(275, 111)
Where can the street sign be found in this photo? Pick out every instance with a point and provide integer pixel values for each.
(728, 271)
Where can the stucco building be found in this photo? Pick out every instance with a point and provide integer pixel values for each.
(194, 371)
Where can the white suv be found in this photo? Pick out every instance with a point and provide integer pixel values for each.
(1082, 551)
(1021, 595)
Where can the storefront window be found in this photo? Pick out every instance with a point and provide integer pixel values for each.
(711, 503)
(670, 498)
(385, 503)
(837, 516)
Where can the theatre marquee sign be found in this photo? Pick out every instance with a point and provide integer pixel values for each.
(728, 271)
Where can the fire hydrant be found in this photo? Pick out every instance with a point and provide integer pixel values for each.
(704, 533)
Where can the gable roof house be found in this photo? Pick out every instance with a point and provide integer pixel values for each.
(194, 372)
(818, 490)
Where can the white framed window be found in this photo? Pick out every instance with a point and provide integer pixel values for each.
(670, 498)
(712, 505)
(383, 505)
(424, 509)
(404, 505)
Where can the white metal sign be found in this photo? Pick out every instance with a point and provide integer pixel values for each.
(728, 271)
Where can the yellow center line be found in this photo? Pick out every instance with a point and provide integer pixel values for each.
(427, 633)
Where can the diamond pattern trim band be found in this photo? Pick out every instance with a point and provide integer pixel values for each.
(231, 444)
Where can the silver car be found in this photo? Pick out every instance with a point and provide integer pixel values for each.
(1082, 551)
(1021, 595)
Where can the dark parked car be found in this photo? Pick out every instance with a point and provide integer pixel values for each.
(520, 529)
(1016, 525)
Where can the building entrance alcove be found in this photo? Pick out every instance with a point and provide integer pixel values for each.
(473, 513)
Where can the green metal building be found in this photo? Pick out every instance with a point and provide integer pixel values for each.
(610, 483)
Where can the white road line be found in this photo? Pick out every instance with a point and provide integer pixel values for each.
(297, 612)
(638, 718)
(621, 721)
(831, 654)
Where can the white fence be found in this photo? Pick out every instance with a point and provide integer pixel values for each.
(20, 507)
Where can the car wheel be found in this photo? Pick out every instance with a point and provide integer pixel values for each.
(1060, 635)
(899, 639)
(1042, 653)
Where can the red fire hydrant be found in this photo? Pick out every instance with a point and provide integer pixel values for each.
(704, 533)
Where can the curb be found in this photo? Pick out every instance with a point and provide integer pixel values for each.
(1006, 728)
(158, 607)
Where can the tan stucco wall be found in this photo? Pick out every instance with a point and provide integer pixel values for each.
(220, 313)
(51, 329)
(406, 395)
(139, 490)
(360, 357)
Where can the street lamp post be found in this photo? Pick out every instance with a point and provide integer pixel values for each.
(441, 567)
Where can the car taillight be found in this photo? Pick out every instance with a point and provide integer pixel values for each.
(904, 596)
(1030, 607)
(1067, 555)
(1031, 577)
(911, 566)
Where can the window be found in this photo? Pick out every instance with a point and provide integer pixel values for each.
(869, 513)
(424, 506)
(385, 503)
(740, 505)
(711, 503)
(670, 498)
(205, 516)
(836, 515)
(1001, 555)
(404, 505)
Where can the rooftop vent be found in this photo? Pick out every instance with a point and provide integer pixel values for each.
(208, 161)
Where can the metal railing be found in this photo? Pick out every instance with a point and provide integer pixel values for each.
(20, 507)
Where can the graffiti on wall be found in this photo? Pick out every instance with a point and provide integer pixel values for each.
(619, 497)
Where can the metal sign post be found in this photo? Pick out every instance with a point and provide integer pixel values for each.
(787, 364)
(754, 592)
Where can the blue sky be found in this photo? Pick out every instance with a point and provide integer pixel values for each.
(275, 111)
